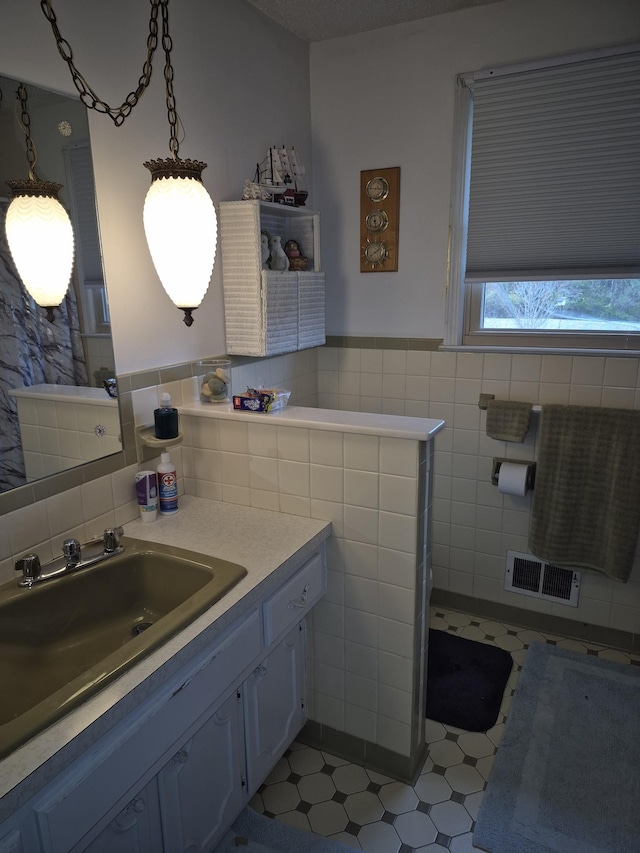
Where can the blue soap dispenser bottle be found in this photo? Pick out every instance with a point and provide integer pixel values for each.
(165, 419)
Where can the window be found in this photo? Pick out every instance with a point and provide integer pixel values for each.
(545, 246)
(88, 256)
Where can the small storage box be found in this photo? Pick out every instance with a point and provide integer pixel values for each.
(262, 400)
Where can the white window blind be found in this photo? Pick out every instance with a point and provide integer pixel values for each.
(555, 171)
(85, 216)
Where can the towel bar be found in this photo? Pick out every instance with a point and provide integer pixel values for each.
(484, 399)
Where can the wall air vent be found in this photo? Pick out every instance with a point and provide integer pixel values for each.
(528, 575)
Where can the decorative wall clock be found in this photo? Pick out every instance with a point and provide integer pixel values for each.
(379, 215)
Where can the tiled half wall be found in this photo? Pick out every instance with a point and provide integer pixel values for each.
(474, 525)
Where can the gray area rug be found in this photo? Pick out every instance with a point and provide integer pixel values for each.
(253, 833)
(566, 776)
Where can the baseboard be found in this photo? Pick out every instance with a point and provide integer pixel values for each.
(624, 640)
(359, 751)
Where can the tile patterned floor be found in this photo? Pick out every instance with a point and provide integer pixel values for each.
(313, 790)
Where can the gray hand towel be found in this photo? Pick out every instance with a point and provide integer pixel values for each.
(508, 420)
(586, 501)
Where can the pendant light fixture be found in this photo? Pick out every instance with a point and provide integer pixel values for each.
(179, 216)
(39, 231)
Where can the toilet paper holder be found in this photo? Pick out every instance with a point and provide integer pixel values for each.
(531, 472)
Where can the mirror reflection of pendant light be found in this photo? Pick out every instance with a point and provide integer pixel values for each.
(179, 216)
(39, 231)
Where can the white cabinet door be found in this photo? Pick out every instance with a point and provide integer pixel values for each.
(135, 830)
(275, 705)
(203, 788)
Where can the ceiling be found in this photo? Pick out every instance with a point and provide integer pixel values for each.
(317, 20)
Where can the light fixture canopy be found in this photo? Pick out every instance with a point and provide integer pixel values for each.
(181, 228)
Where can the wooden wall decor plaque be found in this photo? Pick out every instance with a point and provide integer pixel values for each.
(379, 219)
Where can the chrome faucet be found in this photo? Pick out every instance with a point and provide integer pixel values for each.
(74, 556)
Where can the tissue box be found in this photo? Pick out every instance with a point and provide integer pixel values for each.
(261, 400)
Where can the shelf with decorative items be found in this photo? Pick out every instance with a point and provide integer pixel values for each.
(273, 283)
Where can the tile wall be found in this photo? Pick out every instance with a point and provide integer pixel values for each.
(57, 435)
(474, 525)
(83, 509)
(368, 634)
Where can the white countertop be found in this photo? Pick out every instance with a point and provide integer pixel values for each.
(268, 544)
(335, 420)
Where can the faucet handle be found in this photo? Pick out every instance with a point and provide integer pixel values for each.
(71, 550)
(29, 565)
(112, 538)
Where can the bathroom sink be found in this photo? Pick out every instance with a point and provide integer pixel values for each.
(64, 639)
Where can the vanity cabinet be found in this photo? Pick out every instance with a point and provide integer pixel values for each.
(174, 774)
(268, 312)
(274, 706)
(136, 829)
(203, 786)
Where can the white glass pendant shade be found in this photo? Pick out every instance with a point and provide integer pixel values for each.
(40, 237)
(181, 229)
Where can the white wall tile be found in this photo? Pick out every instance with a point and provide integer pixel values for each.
(621, 372)
(361, 488)
(418, 363)
(398, 456)
(556, 368)
(526, 368)
(234, 436)
(394, 361)
(362, 693)
(361, 452)
(327, 483)
(371, 360)
(263, 473)
(397, 568)
(262, 439)
(361, 524)
(398, 494)
(293, 478)
(398, 532)
(496, 366)
(234, 469)
(588, 370)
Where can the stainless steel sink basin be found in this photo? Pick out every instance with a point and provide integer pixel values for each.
(63, 640)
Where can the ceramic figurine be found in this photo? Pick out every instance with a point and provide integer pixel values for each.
(265, 251)
(279, 261)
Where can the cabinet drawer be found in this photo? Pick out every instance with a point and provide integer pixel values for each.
(294, 598)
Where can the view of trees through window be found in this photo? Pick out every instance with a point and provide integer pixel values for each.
(605, 305)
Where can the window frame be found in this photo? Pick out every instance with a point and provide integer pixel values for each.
(464, 301)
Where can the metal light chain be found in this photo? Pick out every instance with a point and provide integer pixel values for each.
(167, 44)
(25, 123)
(87, 95)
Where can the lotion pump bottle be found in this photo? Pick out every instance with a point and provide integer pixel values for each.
(167, 485)
(165, 419)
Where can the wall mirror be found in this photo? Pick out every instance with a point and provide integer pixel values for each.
(54, 409)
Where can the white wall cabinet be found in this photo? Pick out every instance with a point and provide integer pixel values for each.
(173, 775)
(269, 312)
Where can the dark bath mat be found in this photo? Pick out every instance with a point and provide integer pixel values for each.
(465, 681)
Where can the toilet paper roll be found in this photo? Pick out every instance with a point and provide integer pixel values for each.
(512, 478)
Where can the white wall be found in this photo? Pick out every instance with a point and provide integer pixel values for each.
(241, 84)
(385, 98)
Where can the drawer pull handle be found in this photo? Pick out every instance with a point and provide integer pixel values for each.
(302, 601)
